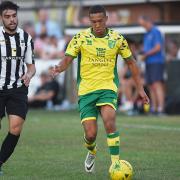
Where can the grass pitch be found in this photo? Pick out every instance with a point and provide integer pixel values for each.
(51, 147)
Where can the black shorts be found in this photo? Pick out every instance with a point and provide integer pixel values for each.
(154, 72)
(14, 102)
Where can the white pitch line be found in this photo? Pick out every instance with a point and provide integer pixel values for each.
(142, 126)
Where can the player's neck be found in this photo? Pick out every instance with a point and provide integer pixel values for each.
(98, 35)
(10, 32)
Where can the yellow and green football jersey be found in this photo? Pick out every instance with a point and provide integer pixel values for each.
(97, 59)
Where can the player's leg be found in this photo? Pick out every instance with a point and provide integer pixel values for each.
(10, 141)
(108, 114)
(16, 107)
(108, 105)
(88, 114)
(90, 133)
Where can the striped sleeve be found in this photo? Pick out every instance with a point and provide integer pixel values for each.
(29, 54)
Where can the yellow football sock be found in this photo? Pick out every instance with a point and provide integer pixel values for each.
(113, 141)
(91, 146)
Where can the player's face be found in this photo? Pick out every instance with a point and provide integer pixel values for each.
(98, 23)
(9, 20)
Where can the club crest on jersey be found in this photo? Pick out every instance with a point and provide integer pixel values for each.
(89, 42)
(111, 43)
(13, 51)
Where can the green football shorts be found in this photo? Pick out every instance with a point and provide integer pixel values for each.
(89, 103)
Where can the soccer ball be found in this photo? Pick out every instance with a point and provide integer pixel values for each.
(121, 170)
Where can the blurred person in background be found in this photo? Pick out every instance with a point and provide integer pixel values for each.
(49, 47)
(77, 17)
(98, 47)
(29, 28)
(16, 47)
(172, 50)
(46, 26)
(127, 90)
(46, 93)
(84, 21)
(54, 50)
(113, 18)
(39, 44)
(129, 94)
(154, 57)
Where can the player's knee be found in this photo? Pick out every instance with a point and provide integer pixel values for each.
(16, 129)
(91, 136)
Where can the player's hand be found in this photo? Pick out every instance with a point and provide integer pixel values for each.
(144, 97)
(54, 71)
(26, 79)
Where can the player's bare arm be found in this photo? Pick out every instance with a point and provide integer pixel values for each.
(136, 76)
(156, 49)
(31, 70)
(62, 66)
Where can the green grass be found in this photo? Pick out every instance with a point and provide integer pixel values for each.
(51, 147)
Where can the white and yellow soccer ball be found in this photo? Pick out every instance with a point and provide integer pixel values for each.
(121, 170)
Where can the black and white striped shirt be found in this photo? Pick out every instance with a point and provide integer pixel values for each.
(15, 51)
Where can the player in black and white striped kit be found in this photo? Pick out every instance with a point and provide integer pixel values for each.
(16, 52)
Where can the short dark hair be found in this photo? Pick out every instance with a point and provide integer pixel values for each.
(146, 18)
(8, 5)
(97, 9)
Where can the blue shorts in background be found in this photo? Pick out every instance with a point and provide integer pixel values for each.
(154, 72)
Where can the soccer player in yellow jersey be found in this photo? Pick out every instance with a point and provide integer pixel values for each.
(97, 49)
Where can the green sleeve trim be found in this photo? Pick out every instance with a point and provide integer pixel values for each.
(130, 57)
(66, 54)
